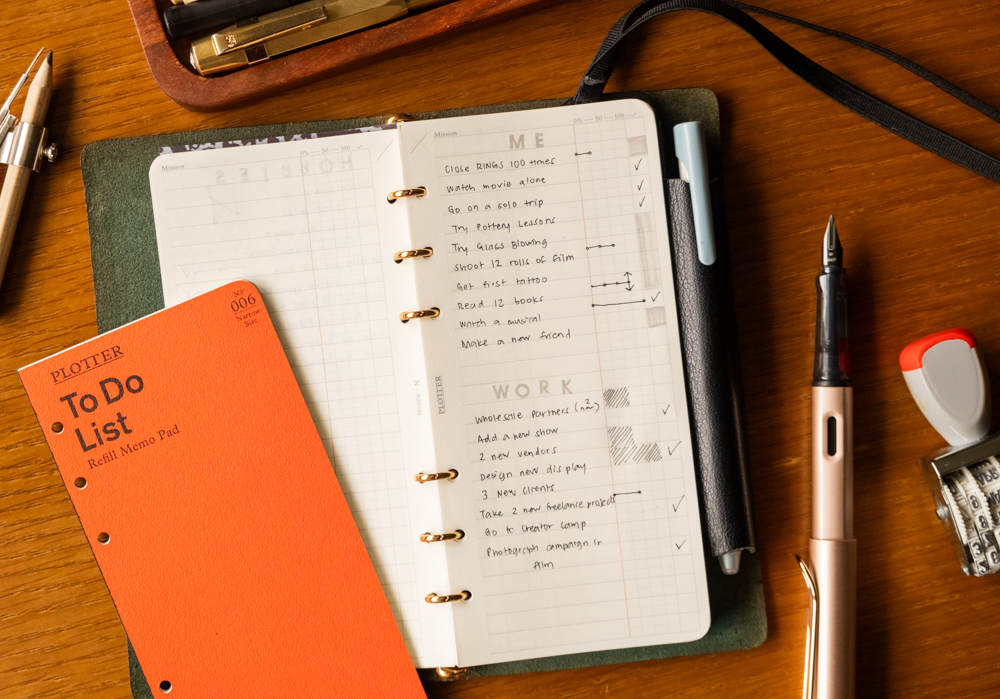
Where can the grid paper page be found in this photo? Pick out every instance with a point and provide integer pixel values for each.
(558, 351)
(308, 222)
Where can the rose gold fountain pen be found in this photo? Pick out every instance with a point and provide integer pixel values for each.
(831, 573)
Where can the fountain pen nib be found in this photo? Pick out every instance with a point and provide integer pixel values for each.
(833, 254)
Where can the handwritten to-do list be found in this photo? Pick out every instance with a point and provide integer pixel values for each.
(551, 381)
(559, 362)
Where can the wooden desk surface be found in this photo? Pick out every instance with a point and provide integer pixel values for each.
(920, 238)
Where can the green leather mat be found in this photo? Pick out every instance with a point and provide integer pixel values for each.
(127, 286)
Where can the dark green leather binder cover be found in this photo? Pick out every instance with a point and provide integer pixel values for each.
(127, 286)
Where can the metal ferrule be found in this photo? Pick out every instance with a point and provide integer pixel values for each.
(25, 146)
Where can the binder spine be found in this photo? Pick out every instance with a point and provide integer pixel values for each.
(451, 474)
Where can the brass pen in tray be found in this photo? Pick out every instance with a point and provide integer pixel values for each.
(257, 39)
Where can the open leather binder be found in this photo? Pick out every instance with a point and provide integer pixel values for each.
(484, 346)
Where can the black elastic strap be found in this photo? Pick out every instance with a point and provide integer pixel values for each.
(835, 87)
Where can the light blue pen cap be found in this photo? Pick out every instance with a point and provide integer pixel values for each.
(692, 156)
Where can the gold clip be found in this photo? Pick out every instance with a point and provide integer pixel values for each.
(440, 476)
(237, 37)
(290, 29)
(812, 631)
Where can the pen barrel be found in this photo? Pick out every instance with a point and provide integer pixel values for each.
(834, 566)
(182, 21)
(833, 462)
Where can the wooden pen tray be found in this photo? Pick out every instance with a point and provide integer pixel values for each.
(191, 91)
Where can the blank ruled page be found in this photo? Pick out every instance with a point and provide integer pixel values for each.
(308, 222)
(563, 400)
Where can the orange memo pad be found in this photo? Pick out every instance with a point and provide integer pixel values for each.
(213, 511)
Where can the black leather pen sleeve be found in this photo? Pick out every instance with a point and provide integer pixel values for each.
(712, 370)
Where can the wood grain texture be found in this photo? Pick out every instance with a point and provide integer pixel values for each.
(15, 186)
(920, 240)
(171, 68)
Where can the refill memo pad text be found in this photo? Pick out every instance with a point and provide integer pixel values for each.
(516, 446)
(212, 509)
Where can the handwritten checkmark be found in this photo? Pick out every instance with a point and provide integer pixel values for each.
(680, 544)
(641, 201)
(667, 409)
(637, 165)
(671, 450)
(657, 293)
(678, 503)
(640, 185)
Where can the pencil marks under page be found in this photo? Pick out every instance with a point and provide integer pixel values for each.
(308, 222)
(562, 398)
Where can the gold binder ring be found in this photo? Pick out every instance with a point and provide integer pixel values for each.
(449, 475)
(435, 598)
(401, 193)
(429, 538)
(427, 313)
(399, 118)
(451, 673)
(407, 254)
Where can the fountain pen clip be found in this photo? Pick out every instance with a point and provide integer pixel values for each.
(812, 630)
